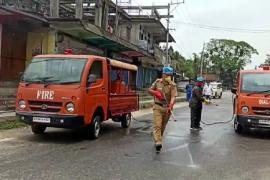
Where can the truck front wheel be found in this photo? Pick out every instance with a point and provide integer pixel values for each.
(94, 128)
(237, 127)
(38, 129)
(126, 120)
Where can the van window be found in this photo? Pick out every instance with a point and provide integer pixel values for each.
(97, 69)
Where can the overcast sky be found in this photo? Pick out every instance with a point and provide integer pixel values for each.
(239, 14)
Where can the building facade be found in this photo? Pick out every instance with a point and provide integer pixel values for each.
(29, 28)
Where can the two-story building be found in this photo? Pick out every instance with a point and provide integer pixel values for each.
(28, 28)
(147, 33)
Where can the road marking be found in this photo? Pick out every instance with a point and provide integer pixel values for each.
(175, 148)
(184, 146)
(179, 164)
(191, 160)
(6, 139)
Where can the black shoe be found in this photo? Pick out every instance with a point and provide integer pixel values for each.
(200, 128)
(158, 148)
(197, 129)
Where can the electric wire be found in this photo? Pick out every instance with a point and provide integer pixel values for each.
(220, 28)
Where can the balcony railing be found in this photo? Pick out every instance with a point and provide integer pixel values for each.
(40, 7)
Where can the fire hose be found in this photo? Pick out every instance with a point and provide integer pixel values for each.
(220, 122)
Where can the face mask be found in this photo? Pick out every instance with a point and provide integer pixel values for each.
(200, 84)
(168, 79)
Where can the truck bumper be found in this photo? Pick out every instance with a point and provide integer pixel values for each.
(61, 121)
(254, 121)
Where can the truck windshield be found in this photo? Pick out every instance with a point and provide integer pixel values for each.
(54, 71)
(256, 83)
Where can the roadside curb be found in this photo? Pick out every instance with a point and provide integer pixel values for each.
(148, 104)
(147, 111)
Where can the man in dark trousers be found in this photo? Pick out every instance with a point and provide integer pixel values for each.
(195, 104)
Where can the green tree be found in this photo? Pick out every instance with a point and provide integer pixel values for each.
(267, 60)
(226, 57)
(181, 64)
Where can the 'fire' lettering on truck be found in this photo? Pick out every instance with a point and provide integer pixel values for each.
(45, 95)
(263, 102)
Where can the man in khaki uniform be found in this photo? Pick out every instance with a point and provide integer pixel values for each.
(164, 92)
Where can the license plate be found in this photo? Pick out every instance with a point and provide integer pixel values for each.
(41, 120)
(264, 122)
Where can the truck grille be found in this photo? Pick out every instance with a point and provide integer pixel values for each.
(265, 111)
(44, 106)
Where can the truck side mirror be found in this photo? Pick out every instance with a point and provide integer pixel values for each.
(92, 79)
(234, 90)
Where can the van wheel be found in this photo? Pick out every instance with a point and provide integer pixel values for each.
(38, 129)
(126, 120)
(94, 129)
(237, 127)
(220, 96)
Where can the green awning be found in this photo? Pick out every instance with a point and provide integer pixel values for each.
(97, 37)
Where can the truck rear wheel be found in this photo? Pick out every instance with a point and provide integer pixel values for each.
(126, 120)
(38, 129)
(94, 129)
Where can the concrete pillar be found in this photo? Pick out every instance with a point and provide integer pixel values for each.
(105, 16)
(98, 13)
(79, 9)
(54, 8)
(51, 42)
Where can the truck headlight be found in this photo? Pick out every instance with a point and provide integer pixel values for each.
(70, 107)
(22, 104)
(245, 109)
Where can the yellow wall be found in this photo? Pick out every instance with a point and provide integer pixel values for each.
(39, 43)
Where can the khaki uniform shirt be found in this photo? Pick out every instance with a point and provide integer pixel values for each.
(167, 89)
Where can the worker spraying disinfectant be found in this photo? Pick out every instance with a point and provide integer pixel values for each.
(195, 104)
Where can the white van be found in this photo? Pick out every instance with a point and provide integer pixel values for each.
(217, 89)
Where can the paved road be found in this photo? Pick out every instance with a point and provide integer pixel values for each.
(214, 153)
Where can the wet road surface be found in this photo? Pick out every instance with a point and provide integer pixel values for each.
(214, 153)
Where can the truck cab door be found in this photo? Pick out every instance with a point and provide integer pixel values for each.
(96, 89)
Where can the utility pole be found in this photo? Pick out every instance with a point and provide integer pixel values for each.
(168, 34)
(168, 28)
(202, 59)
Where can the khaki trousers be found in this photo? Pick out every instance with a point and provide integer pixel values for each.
(159, 124)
